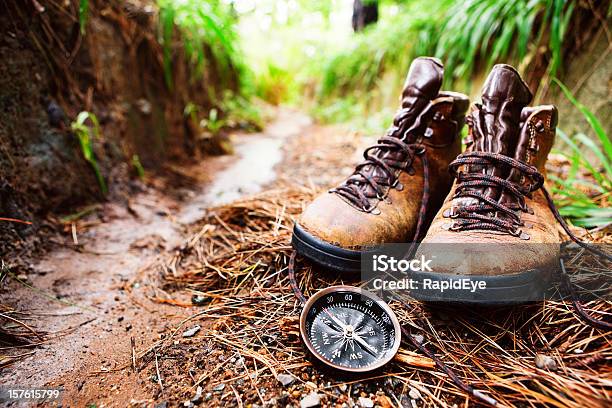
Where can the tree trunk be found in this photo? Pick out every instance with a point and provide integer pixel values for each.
(364, 13)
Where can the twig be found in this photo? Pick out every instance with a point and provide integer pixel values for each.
(159, 378)
(19, 322)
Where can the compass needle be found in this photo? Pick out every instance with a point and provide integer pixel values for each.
(365, 345)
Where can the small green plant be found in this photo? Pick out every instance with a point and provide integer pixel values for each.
(138, 166)
(274, 84)
(241, 112)
(587, 201)
(85, 133)
(83, 15)
(213, 123)
(191, 111)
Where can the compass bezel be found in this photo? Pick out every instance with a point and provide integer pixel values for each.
(362, 292)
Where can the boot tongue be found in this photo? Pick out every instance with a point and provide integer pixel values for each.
(504, 95)
(497, 122)
(421, 86)
(505, 83)
(422, 83)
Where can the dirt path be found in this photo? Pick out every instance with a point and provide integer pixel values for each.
(108, 307)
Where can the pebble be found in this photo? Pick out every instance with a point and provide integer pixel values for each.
(191, 332)
(311, 400)
(419, 338)
(285, 379)
(543, 361)
(270, 338)
(342, 387)
(414, 394)
(198, 300)
(219, 387)
(198, 396)
(312, 385)
(366, 402)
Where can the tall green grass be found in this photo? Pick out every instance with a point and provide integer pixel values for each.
(203, 25)
(478, 33)
(387, 46)
(585, 193)
(468, 35)
(207, 32)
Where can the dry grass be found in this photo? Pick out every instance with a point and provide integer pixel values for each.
(16, 335)
(237, 257)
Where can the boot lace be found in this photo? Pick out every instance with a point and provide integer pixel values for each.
(383, 156)
(485, 213)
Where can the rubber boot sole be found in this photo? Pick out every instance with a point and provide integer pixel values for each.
(522, 287)
(325, 254)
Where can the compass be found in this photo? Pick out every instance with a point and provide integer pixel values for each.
(349, 329)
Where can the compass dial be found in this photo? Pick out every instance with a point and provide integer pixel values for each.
(349, 329)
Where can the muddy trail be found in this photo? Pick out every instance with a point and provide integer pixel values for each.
(95, 298)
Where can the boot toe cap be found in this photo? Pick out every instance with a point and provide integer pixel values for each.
(331, 219)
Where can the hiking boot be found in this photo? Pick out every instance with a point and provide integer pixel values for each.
(396, 191)
(496, 225)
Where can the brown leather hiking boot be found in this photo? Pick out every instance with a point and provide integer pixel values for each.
(497, 219)
(396, 191)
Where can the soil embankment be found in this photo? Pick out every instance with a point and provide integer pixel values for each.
(58, 62)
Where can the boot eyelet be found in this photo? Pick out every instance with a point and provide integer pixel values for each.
(448, 226)
(539, 126)
(450, 213)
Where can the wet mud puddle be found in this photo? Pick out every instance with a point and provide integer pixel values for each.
(253, 168)
(106, 307)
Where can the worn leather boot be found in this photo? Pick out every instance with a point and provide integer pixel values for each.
(496, 225)
(397, 190)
